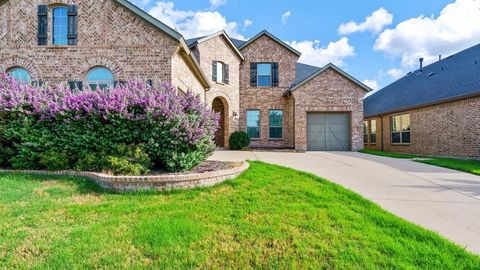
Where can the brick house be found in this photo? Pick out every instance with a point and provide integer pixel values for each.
(79, 42)
(279, 102)
(257, 85)
(434, 110)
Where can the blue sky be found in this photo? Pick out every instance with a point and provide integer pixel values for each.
(375, 41)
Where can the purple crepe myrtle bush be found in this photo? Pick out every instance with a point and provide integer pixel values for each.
(88, 127)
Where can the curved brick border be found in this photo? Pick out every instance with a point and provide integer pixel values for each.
(152, 182)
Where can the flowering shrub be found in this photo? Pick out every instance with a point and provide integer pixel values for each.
(56, 128)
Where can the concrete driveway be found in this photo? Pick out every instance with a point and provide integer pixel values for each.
(443, 200)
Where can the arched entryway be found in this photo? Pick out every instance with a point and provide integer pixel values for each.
(220, 105)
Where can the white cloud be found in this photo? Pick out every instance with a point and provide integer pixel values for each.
(373, 23)
(194, 23)
(395, 73)
(216, 3)
(371, 83)
(314, 54)
(456, 28)
(285, 17)
(247, 23)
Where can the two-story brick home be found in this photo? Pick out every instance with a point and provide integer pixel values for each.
(279, 102)
(257, 85)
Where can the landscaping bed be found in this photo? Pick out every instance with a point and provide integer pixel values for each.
(208, 173)
(270, 217)
(467, 165)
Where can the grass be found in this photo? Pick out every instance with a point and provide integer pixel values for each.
(269, 217)
(466, 165)
(387, 154)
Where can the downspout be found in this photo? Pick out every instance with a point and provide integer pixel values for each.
(381, 122)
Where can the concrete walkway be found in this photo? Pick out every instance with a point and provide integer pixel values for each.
(443, 200)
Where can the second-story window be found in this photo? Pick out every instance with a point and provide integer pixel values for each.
(60, 26)
(220, 73)
(264, 74)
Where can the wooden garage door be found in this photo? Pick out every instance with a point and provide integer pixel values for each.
(328, 131)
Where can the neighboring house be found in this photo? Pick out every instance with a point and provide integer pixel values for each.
(434, 110)
(96, 42)
(257, 85)
(283, 103)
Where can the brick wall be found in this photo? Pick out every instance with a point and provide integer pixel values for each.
(217, 49)
(448, 129)
(329, 92)
(265, 49)
(108, 35)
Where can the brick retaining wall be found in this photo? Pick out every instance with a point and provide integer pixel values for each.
(151, 182)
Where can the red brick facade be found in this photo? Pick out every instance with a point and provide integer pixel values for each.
(447, 129)
(329, 92)
(109, 35)
(265, 49)
(131, 47)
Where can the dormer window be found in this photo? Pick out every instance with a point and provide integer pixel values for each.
(60, 26)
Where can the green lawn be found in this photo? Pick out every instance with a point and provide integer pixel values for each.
(270, 217)
(470, 166)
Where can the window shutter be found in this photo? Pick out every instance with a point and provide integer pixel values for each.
(253, 74)
(119, 83)
(72, 25)
(274, 74)
(226, 70)
(38, 83)
(214, 71)
(150, 83)
(42, 12)
(75, 85)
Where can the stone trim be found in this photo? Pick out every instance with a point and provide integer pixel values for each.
(161, 182)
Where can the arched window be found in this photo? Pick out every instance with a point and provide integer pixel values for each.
(100, 76)
(20, 74)
(60, 26)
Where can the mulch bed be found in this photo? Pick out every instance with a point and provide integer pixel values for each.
(207, 166)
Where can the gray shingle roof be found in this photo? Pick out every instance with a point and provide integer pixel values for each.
(454, 77)
(237, 42)
(303, 71)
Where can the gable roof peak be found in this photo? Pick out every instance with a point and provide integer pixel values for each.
(323, 69)
(195, 41)
(276, 39)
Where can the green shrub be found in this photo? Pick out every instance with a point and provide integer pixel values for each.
(126, 130)
(55, 160)
(239, 140)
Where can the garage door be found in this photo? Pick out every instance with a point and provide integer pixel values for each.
(328, 131)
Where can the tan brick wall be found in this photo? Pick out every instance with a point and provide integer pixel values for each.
(448, 129)
(183, 76)
(108, 35)
(264, 49)
(217, 49)
(329, 92)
